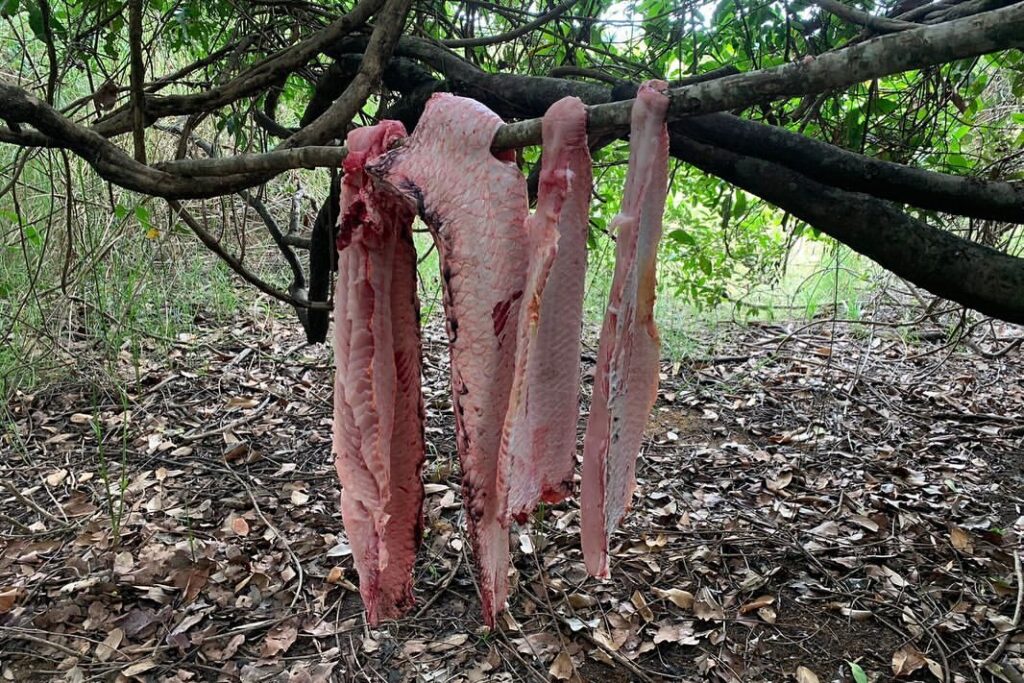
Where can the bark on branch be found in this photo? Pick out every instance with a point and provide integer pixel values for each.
(926, 46)
(251, 82)
(977, 276)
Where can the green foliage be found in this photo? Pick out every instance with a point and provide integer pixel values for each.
(128, 275)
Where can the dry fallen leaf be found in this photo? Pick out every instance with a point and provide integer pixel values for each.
(681, 634)
(108, 647)
(8, 597)
(805, 675)
(960, 539)
(240, 526)
(579, 600)
(138, 668)
(679, 598)
(707, 607)
(279, 639)
(56, 478)
(641, 606)
(449, 643)
(561, 668)
(757, 603)
(907, 660)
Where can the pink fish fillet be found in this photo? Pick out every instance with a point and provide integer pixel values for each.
(626, 379)
(539, 441)
(378, 407)
(475, 205)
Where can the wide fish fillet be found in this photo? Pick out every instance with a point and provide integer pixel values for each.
(539, 441)
(626, 378)
(378, 405)
(475, 204)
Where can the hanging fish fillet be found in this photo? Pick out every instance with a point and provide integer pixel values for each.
(539, 441)
(626, 379)
(378, 407)
(475, 205)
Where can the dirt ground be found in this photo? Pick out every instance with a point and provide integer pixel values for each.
(815, 503)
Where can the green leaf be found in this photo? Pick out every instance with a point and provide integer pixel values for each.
(858, 673)
(886, 106)
(34, 237)
(35, 21)
(142, 214)
(682, 237)
(739, 207)
(8, 8)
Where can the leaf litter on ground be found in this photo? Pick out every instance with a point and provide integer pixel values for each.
(800, 515)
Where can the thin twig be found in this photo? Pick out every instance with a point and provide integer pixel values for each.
(998, 652)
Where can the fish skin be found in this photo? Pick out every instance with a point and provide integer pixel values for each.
(475, 204)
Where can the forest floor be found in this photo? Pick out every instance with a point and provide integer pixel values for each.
(816, 503)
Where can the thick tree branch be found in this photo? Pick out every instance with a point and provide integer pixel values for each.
(960, 195)
(249, 83)
(513, 95)
(268, 163)
(977, 276)
(332, 122)
(856, 16)
(970, 37)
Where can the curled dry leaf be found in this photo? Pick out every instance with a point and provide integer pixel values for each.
(707, 607)
(805, 675)
(641, 606)
(679, 598)
(561, 669)
(780, 482)
(907, 660)
(757, 603)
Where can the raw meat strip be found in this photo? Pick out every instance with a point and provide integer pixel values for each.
(539, 442)
(378, 407)
(475, 204)
(626, 379)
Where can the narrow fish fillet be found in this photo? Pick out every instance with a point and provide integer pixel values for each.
(626, 379)
(378, 406)
(539, 441)
(475, 205)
